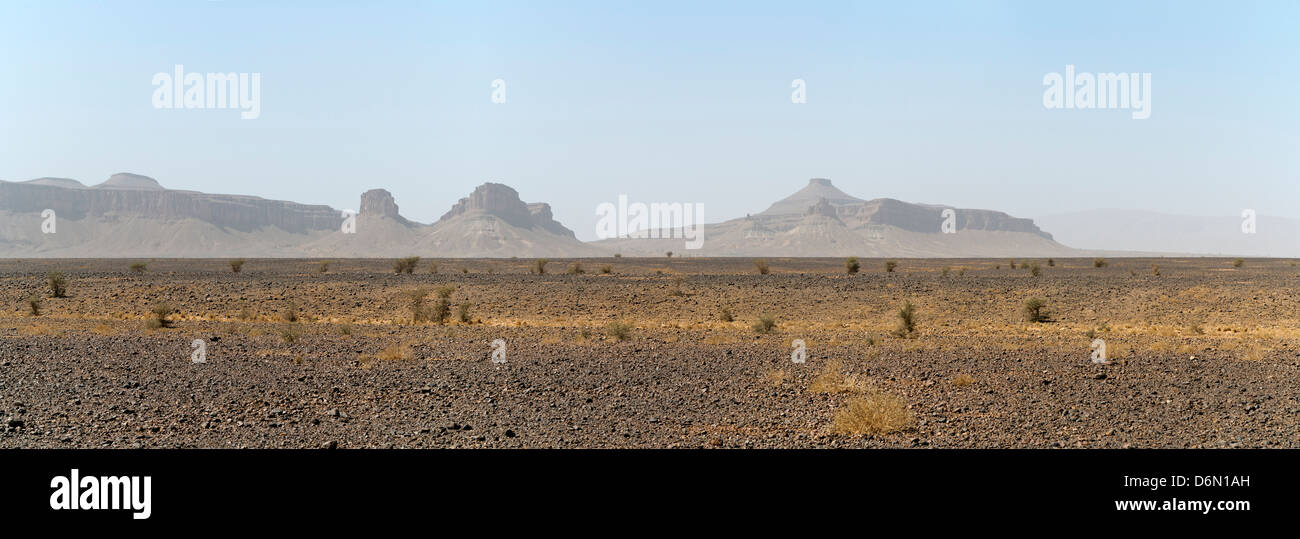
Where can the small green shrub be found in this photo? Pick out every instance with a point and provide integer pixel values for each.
(442, 311)
(851, 265)
(619, 330)
(158, 316)
(236, 265)
(1035, 311)
(761, 266)
(890, 265)
(57, 284)
(765, 324)
(405, 265)
(906, 321)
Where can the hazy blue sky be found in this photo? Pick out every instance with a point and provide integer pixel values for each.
(666, 102)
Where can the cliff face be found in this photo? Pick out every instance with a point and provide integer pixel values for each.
(503, 202)
(242, 213)
(380, 203)
(926, 219)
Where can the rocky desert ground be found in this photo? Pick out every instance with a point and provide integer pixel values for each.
(649, 353)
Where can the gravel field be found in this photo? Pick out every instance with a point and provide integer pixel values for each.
(1204, 354)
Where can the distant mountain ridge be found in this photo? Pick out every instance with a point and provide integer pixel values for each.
(821, 220)
(130, 215)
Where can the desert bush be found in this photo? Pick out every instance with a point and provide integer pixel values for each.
(245, 313)
(765, 324)
(1051, 263)
(619, 330)
(890, 265)
(874, 413)
(236, 265)
(324, 266)
(946, 270)
(1034, 310)
(961, 271)
(851, 265)
(138, 267)
(618, 255)
(290, 312)
(462, 313)
(433, 266)
(415, 304)
(906, 321)
(405, 265)
(57, 284)
(539, 266)
(669, 254)
(1035, 270)
(761, 266)
(963, 380)
(725, 315)
(1237, 263)
(1099, 263)
(607, 269)
(158, 316)
(289, 333)
(1155, 270)
(441, 311)
(576, 269)
(34, 306)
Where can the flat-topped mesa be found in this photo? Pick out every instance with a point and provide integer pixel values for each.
(817, 190)
(135, 195)
(127, 180)
(379, 203)
(502, 201)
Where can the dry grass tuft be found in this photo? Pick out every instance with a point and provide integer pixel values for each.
(963, 380)
(874, 413)
(832, 380)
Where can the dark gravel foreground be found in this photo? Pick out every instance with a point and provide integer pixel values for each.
(97, 378)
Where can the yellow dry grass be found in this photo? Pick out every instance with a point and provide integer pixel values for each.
(775, 377)
(832, 380)
(874, 413)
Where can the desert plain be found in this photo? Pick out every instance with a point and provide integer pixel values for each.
(665, 352)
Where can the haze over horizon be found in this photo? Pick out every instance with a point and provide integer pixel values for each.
(934, 102)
